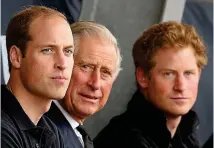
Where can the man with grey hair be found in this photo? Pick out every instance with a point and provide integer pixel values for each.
(96, 65)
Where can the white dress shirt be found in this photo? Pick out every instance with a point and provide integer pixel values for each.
(74, 124)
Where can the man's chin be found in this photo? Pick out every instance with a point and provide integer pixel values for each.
(87, 113)
(178, 113)
(58, 96)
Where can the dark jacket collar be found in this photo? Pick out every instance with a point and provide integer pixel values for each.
(57, 116)
(147, 114)
(69, 136)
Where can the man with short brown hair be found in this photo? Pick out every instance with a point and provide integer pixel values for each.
(168, 58)
(40, 52)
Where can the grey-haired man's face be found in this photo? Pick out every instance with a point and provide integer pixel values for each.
(93, 77)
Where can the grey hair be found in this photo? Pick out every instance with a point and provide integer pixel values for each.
(90, 28)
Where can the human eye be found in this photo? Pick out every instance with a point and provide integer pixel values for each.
(86, 67)
(188, 73)
(106, 73)
(46, 50)
(169, 74)
(68, 51)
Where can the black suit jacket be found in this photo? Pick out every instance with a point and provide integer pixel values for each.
(69, 137)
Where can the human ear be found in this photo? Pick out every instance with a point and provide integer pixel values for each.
(142, 78)
(15, 56)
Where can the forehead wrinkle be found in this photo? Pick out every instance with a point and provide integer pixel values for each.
(102, 57)
(96, 56)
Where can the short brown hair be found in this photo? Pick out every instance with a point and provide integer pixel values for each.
(17, 32)
(167, 35)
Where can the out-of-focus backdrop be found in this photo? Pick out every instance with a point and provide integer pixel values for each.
(127, 20)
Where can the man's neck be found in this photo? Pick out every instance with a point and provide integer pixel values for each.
(32, 105)
(172, 124)
(71, 113)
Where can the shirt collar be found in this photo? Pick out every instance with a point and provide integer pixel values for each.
(74, 124)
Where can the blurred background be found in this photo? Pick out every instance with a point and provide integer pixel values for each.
(127, 20)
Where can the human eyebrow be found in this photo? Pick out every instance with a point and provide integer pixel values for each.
(193, 71)
(85, 61)
(167, 70)
(54, 45)
(79, 62)
(69, 47)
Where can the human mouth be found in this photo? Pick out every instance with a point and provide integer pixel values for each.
(179, 99)
(60, 79)
(89, 98)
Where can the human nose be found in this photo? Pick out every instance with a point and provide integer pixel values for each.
(95, 80)
(61, 61)
(180, 83)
